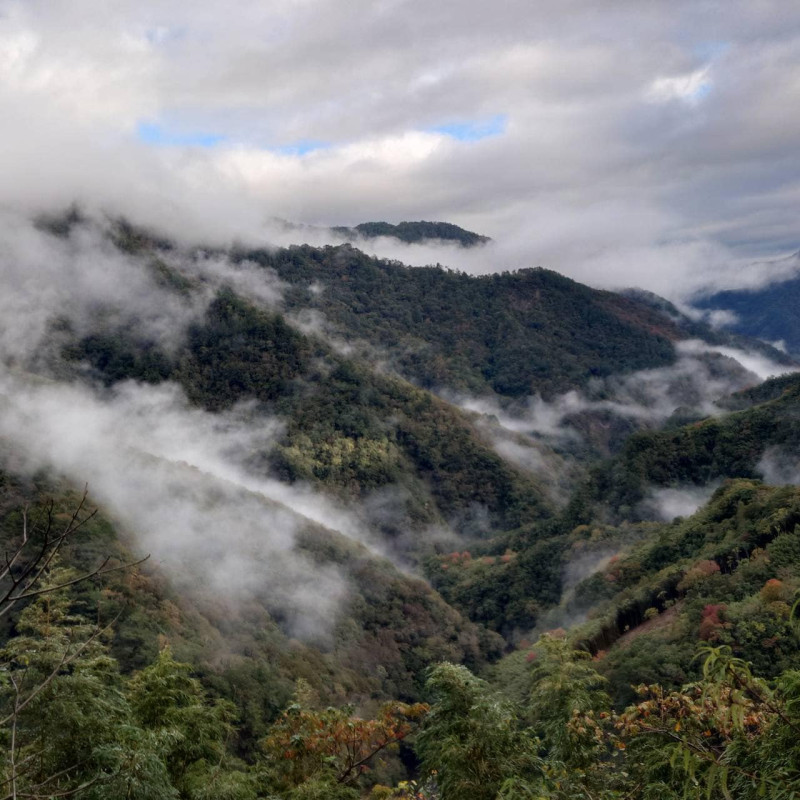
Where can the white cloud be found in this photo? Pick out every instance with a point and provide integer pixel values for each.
(754, 362)
(170, 476)
(666, 504)
(586, 178)
(779, 468)
(690, 88)
(693, 383)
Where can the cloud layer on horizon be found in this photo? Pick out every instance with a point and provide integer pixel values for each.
(640, 144)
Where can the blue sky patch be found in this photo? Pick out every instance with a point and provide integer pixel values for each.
(701, 91)
(300, 148)
(164, 34)
(474, 130)
(709, 50)
(155, 134)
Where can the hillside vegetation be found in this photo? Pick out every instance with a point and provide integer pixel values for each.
(413, 232)
(767, 313)
(512, 333)
(484, 611)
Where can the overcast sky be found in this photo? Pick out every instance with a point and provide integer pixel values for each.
(649, 142)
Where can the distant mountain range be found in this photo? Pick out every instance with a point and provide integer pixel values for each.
(770, 313)
(408, 232)
(414, 232)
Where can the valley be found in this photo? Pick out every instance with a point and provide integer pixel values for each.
(346, 471)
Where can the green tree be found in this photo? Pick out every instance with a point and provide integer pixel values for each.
(570, 711)
(62, 702)
(189, 731)
(731, 734)
(565, 686)
(472, 743)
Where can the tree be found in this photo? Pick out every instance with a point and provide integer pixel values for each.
(334, 747)
(731, 734)
(471, 742)
(61, 700)
(570, 711)
(565, 686)
(28, 564)
(62, 709)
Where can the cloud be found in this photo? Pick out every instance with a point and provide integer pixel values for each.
(82, 278)
(86, 280)
(174, 477)
(666, 504)
(610, 161)
(170, 476)
(691, 88)
(701, 375)
(752, 361)
(779, 467)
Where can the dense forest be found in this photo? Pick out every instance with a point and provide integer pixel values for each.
(413, 232)
(600, 605)
(767, 312)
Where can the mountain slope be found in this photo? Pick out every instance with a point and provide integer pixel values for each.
(347, 428)
(769, 313)
(388, 626)
(724, 575)
(762, 437)
(514, 334)
(415, 232)
(307, 406)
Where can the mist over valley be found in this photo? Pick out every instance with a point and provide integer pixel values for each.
(399, 401)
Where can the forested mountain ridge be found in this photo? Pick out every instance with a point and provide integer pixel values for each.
(413, 232)
(513, 334)
(767, 313)
(325, 529)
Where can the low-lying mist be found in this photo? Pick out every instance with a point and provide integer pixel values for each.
(178, 478)
(681, 501)
(779, 467)
(701, 375)
(171, 476)
(175, 477)
(83, 280)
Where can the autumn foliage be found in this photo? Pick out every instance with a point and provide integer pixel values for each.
(304, 743)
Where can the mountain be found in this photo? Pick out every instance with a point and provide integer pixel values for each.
(388, 626)
(724, 575)
(347, 471)
(726, 335)
(768, 313)
(414, 232)
(758, 437)
(514, 334)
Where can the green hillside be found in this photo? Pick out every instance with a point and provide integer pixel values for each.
(477, 602)
(414, 232)
(731, 445)
(349, 429)
(512, 333)
(390, 627)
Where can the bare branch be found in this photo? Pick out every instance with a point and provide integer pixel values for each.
(101, 570)
(21, 586)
